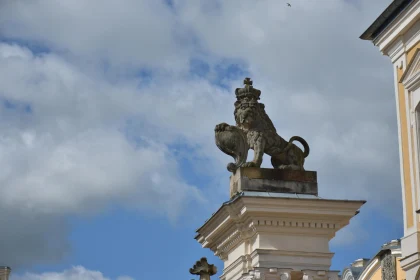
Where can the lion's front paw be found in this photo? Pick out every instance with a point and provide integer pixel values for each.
(221, 127)
(249, 164)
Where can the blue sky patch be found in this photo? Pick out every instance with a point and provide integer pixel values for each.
(35, 47)
(17, 106)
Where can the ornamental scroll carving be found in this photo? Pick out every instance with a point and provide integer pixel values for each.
(389, 271)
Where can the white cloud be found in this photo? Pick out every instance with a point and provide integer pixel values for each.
(78, 149)
(128, 32)
(354, 233)
(74, 273)
(71, 152)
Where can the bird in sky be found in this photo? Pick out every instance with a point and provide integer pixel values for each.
(288, 4)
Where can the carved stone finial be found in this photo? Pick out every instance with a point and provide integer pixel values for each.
(248, 82)
(203, 268)
(248, 91)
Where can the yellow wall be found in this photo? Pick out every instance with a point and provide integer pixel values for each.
(410, 54)
(400, 272)
(405, 127)
(405, 152)
(377, 275)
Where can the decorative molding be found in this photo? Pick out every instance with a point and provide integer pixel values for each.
(319, 275)
(412, 36)
(397, 27)
(253, 275)
(245, 231)
(294, 223)
(237, 231)
(268, 274)
(257, 252)
(347, 275)
(241, 234)
(230, 242)
(239, 261)
(411, 76)
(396, 50)
(370, 269)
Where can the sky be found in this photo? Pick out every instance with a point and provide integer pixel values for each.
(107, 116)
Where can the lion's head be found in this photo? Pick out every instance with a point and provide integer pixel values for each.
(251, 114)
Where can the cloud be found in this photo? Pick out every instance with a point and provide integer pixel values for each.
(66, 149)
(113, 103)
(74, 273)
(318, 80)
(353, 233)
(71, 150)
(135, 32)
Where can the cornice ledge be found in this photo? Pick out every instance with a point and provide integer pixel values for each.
(388, 35)
(410, 261)
(235, 264)
(290, 253)
(411, 77)
(395, 50)
(222, 249)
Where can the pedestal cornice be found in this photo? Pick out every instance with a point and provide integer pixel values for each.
(257, 229)
(276, 227)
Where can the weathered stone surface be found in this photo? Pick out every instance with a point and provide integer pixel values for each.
(273, 180)
(276, 236)
(204, 269)
(389, 270)
(254, 130)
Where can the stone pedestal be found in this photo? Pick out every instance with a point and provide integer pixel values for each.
(273, 180)
(273, 235)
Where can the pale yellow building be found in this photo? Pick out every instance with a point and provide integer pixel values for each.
(396, 32)
(385, 265)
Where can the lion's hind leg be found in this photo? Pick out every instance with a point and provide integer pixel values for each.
(287, 161)
(279, 161)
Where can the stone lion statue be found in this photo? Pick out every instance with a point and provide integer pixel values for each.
(254, 130)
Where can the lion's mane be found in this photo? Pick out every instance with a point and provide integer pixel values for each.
(261, 117)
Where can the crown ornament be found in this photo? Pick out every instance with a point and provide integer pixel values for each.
(248, 90)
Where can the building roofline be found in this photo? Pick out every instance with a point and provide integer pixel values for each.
(389, 246)
(385, 19)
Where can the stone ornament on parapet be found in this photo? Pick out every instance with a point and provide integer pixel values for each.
(253, 179)
(203, 269)
(274, 226)
(255, 130)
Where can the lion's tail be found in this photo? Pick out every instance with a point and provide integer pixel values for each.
(300, 140)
